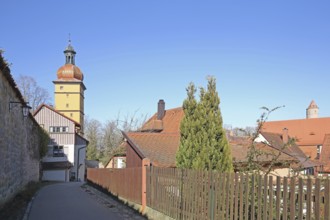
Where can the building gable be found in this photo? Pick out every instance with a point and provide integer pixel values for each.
(48, 118)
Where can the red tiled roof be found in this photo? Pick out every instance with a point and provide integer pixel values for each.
(169, 124)
(306, 131)
(276, 141)
(240, 149)
(325, 153)
(160, 148)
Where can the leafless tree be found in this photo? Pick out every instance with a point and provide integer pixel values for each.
(105, 138)
(32, 92)
(93, 133)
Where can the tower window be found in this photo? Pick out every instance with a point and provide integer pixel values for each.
(67, 105)
(67, 95)
(71, 115)
(61, 87)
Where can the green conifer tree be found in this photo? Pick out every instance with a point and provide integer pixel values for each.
(203, 143)
(188, 144)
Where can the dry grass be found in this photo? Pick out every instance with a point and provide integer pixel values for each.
(15, 208)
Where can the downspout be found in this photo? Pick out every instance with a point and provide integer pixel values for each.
(78, 162)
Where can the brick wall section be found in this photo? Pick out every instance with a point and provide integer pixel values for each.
(19, 153)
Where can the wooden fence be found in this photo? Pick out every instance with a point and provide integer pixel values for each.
(187, 194)
(126, 183)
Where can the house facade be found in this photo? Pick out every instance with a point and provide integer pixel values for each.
(65, 160)
(310, 135)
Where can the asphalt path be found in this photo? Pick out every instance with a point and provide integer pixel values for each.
(70, 201)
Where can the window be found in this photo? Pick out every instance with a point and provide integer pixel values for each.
(61, 87)
(67, 95)
(71, 115)
(58, 151)
(58, 129)
(72, 176)
(67, 105)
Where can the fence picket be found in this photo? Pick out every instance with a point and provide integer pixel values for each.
(259, 197)
(236, 196)
(266, 197)
(292, 196)
(278, 198)
(317, 199)
(300, 199)
(327, 200)
(232, 193)
(270, 198)
(285, 198)
(246, 205)
(252, 208)
(241, 199)
(309, 199)
(227, 194)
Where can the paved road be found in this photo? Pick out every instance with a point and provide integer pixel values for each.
(72, 201)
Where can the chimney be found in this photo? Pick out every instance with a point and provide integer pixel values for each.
(285, 135)
(161, 109)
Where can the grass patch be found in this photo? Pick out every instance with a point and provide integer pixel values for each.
(15, 208)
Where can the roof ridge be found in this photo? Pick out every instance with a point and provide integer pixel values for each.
(303, 119)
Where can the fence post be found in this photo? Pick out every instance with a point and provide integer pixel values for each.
(145, 164)
(211, 196)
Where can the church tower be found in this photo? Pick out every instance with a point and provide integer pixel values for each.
(69, 89)
(312, 111)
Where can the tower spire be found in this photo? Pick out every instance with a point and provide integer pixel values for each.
(69, 53)
(312, 111)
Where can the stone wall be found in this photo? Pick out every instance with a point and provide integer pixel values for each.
(19, 140)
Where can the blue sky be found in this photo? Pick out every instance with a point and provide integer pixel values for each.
(133, 53)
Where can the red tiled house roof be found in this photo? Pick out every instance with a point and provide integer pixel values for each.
(240, 148)
(276, 141)
(306, 131)
(170, 123)
(158, 139)
(325, 155)
(309, 134)
(160, 148)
